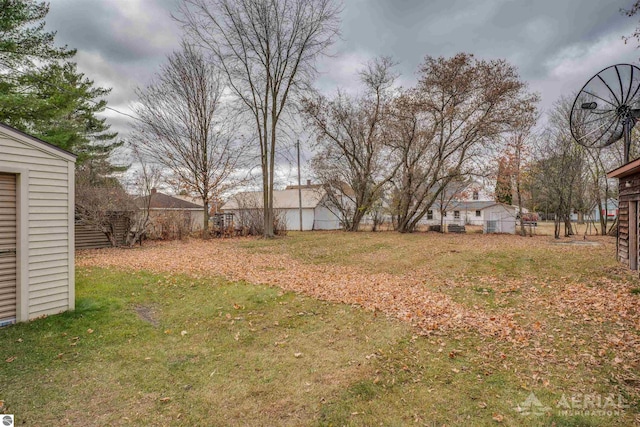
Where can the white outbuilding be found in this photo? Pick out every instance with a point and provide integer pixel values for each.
(36, 227)
(286, 203)
(494, 217)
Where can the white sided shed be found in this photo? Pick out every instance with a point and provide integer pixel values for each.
(36, 227)
(499, 218)
(315, 216)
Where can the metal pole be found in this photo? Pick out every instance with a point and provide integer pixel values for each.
(299, 185)
(627, 138)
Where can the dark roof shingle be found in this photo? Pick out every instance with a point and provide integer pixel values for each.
(165, 201)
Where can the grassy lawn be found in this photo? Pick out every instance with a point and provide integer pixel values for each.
(181, 345)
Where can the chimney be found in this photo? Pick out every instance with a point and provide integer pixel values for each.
(154, 191)
(308, 183)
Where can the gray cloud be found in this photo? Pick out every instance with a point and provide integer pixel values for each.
(556, 45)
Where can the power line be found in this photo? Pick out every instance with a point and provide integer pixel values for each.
(65, 90)
(123, 113)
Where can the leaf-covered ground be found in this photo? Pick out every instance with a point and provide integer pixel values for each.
(560, 316)
(502, 286)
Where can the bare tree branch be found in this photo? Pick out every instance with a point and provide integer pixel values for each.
(182, 127)
(267, 51)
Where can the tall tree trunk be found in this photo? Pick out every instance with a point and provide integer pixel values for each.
(265, 199)
(568, 227)
(357, 218)
(269, 226)
(205, 224)
(523, 231)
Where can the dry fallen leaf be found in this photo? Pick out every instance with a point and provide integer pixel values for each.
(89, 331)
(297, 355)
(10, 359)
(165, 399)
(498, 417)
(183, 333)
(405, 296)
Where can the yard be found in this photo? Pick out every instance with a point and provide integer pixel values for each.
(336, 329)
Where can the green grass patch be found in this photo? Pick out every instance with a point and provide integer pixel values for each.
(145, 349)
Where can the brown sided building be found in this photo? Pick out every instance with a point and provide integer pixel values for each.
(171, 217)
(628, 198)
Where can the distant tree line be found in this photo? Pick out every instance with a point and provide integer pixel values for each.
(218, 109)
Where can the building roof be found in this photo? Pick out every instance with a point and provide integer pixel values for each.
(283, 199)
(472, 205)
(623, 171)
(295, 187)
(43, 145)
(165, 201)
(468, 205)
(194, 200)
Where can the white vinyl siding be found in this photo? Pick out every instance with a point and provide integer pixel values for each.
(8, 235)
(292, 217)
(46, 177)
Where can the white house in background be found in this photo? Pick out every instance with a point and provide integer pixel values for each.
(168, 211)
(37, 216)
(494, 217)
(611, 212)
(475, 192)
(315, 216)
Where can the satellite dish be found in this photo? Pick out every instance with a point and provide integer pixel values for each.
(607, 108)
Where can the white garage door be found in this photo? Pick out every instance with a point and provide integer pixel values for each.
(7, 249)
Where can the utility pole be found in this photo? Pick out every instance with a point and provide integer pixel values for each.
(299, 185)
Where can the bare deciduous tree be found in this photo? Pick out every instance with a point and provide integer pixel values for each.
(599, 161)
(146, 178)
(449, 123)
(103, 205)
(182, 126)
(519, 149)
(353, 161)
(558, 176)
(267, 50)
(248, 217)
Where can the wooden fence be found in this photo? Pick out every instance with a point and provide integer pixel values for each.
(88, 237)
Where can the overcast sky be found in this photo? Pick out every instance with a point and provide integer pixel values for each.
(557, 45)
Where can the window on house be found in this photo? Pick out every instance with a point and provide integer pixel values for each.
(477, 213)
(429, 214)
(456, 214)
(444, 214)
(476, 196)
